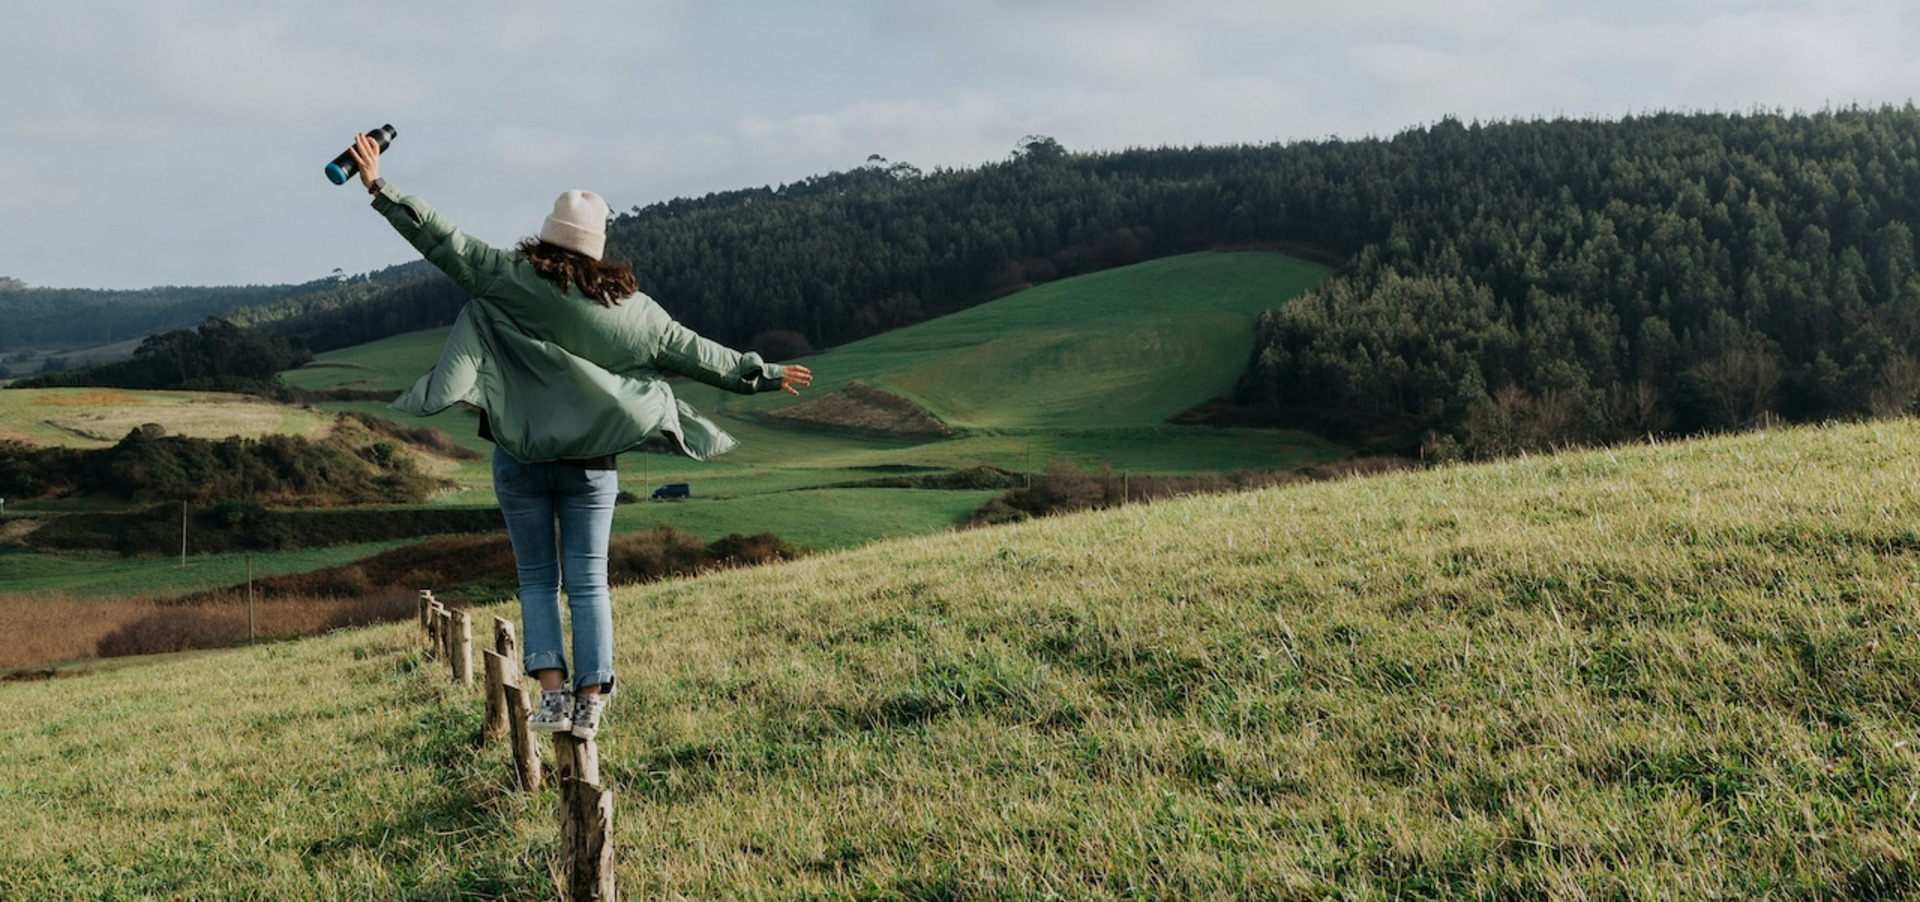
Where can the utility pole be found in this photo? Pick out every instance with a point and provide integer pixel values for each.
(249, 599)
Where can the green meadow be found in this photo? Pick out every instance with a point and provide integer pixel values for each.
(1678, 671)
(1087, 370)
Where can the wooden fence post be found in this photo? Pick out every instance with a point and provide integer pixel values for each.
(505, 643)
(462, 648)
(432, 630)
(526, 755)
(446, 635)
(586, 841)
(495, 724)
(426, 605)
(586, 819)
(575, 758)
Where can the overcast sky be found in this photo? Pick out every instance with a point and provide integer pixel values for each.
(181, 142)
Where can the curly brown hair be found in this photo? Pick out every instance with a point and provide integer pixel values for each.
(604, 281)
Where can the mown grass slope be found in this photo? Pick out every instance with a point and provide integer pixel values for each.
(1086, 369)
(1125, 347)
(391, 363)
(97, 418)
(1679, 671)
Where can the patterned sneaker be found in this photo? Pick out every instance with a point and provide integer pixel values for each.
(587, 707)
(555, 714)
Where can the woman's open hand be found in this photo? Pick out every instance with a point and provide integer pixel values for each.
(794, 377)
(366, 155)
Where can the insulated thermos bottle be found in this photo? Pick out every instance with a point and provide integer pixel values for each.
(343, 167)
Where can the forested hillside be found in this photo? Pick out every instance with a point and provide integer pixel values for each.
(1541, 283)
(72, 317)
(1506, 286)
(217, 356)
(848, 255)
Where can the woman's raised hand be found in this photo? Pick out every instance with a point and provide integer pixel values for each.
(366, 155)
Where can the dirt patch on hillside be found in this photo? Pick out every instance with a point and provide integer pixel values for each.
(9, 435)
(14, 531)
(85, 398)
(110, 416)
(861, 406)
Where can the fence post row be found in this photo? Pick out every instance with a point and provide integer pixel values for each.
(585, 807)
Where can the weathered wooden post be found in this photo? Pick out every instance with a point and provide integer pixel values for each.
(426, 605)
(586, 820)
(462, 648)
(526, 756)
(432, 628)
(505, 643)
(495, 724)
(575, 758)
(446, 635)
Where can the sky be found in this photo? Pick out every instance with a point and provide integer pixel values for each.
(182, 142)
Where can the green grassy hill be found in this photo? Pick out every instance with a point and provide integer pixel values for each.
(1689, 670)
(97, 418)
(1128, 347)
(1086, 369)
(390, 363)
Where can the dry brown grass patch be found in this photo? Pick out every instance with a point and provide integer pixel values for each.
(861, 406)
(85, 398)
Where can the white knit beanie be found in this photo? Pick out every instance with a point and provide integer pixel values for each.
(578, 223)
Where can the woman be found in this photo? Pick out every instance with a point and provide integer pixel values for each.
(567, 361)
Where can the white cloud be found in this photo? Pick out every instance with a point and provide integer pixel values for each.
(88, 126)
(1130, 50)
(22, 188)
(250, 70)
(1836, 52)
(524, 28)
(968, 130)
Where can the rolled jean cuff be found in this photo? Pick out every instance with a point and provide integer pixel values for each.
(545, 660)
(598, 678)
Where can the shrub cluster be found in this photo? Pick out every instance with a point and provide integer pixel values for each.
(218, 356)
(149, 465)
(239, 525)
(481, 567)
(209, 624)
(1066, 488)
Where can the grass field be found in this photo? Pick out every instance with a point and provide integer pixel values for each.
(388, 364)
(105, 574)
(1128, 347)
(1086, 369)
(97, 418)
(1689, 670)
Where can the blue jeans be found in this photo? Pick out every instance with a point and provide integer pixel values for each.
(533, 497)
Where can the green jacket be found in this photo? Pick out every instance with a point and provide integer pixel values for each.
(560, 376)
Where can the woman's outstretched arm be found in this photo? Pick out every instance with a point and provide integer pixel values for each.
(471, 264)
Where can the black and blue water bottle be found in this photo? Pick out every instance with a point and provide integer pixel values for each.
(343, 167)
